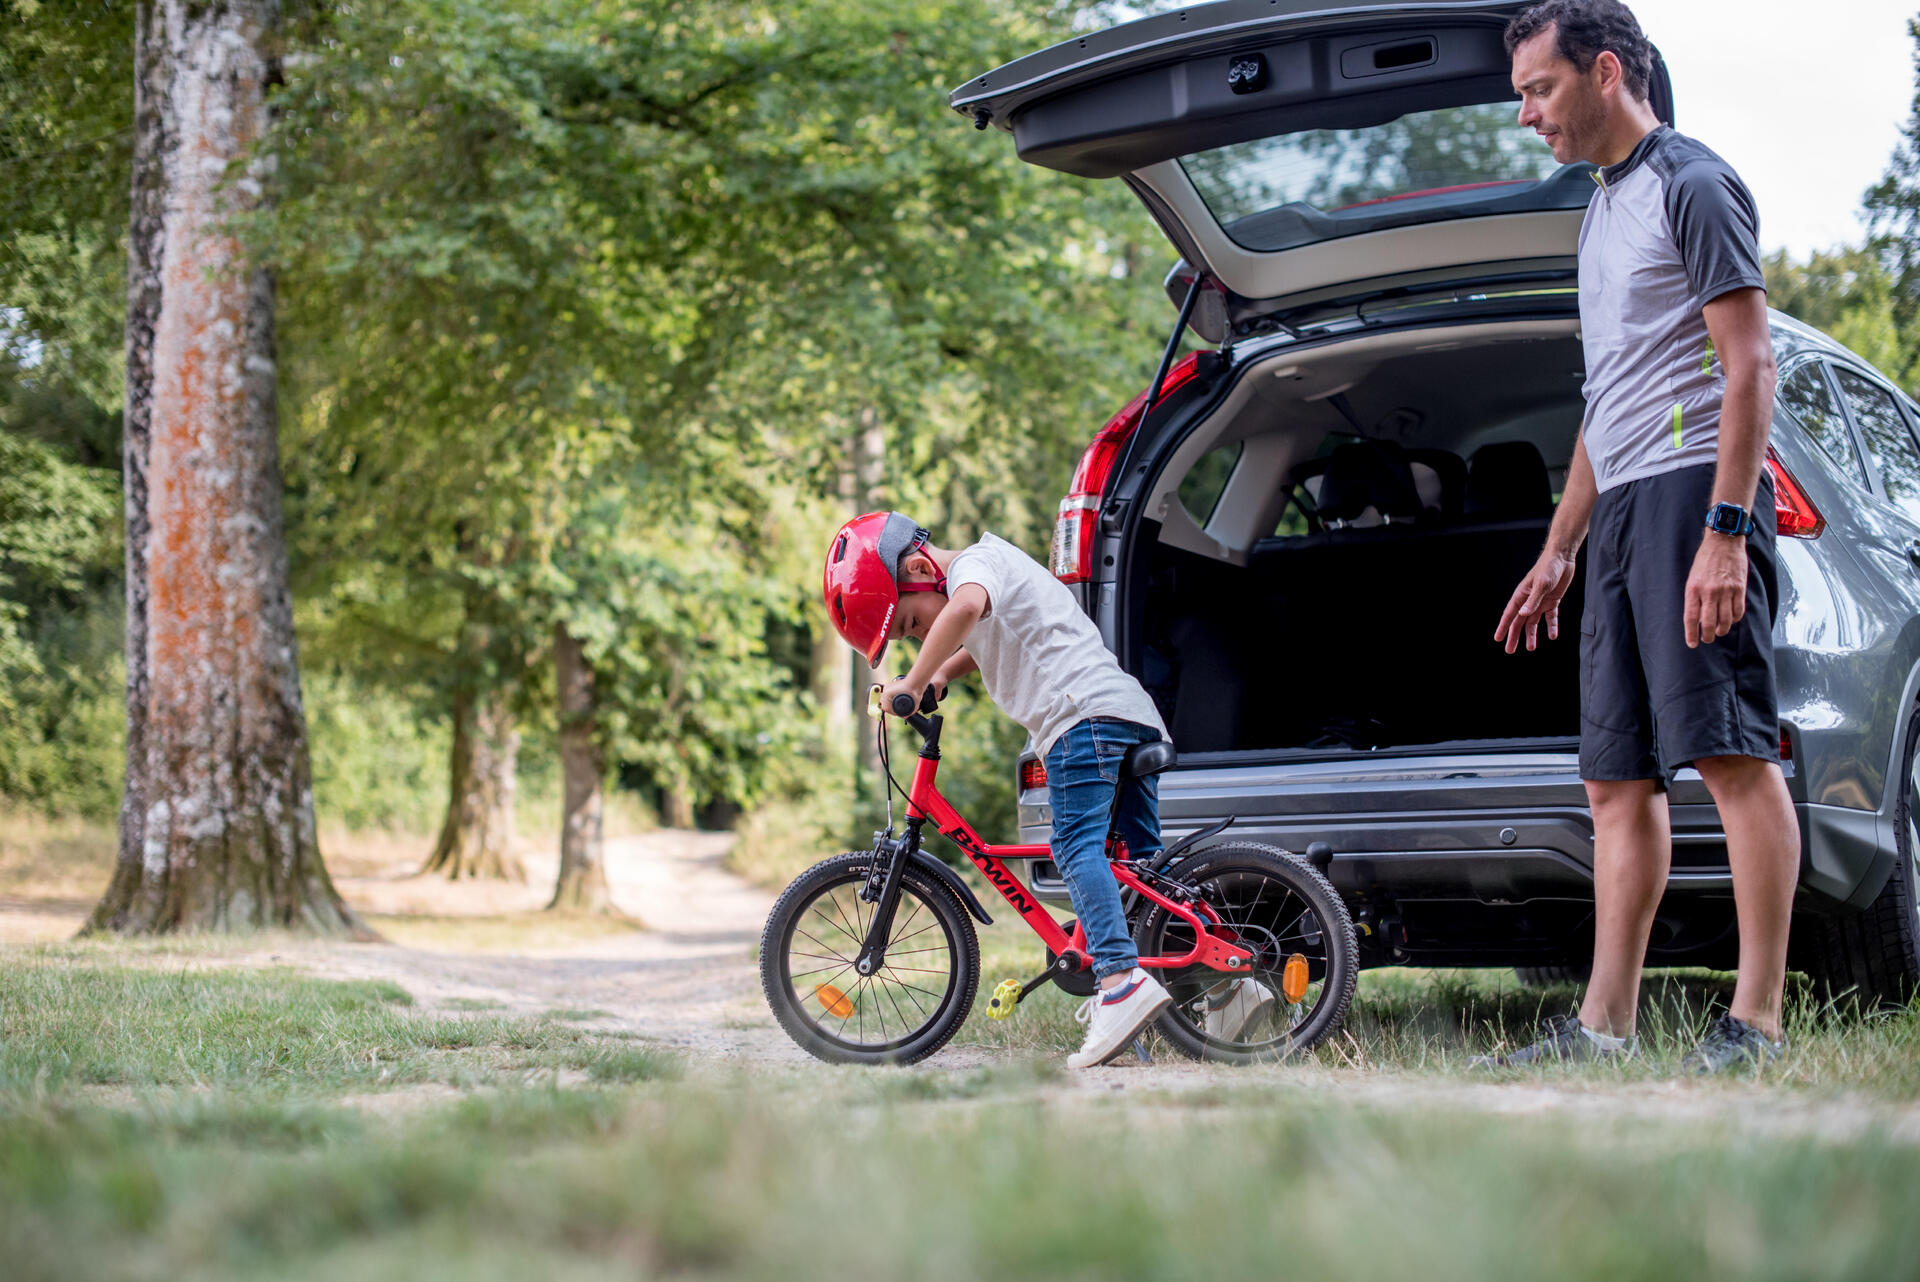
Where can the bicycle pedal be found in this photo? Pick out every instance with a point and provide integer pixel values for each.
(1006, 996)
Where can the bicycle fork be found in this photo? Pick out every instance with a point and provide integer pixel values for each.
(882, 889)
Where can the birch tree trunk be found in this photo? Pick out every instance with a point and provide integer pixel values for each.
(216, 828)
(582, 885)
(476, 840)
(869, 455)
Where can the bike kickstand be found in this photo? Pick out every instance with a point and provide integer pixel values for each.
(1140, 1049)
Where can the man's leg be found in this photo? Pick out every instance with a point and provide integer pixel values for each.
(1763, 847)
(1632, 851)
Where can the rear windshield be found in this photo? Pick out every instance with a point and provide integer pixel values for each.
(1450, 162)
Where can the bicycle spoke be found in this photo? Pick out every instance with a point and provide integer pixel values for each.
(904, 1025)
(841, 956)
(915, 1000)
(884, 1009)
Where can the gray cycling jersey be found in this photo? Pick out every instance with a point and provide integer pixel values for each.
(1670, 229)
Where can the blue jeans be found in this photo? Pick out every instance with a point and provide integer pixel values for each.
(1083, 769)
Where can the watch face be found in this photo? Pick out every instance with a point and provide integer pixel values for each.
(1726, 518)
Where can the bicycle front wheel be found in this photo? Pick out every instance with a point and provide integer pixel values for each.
(902, 1013)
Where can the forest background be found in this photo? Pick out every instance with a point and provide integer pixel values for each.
(594, 320)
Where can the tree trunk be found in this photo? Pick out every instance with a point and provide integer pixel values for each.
(583, 772)
(217, 828)
(869, 466)
(679, 799)
(477, 838)
(830, 678)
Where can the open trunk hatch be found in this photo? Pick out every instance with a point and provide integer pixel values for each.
(1286, 146)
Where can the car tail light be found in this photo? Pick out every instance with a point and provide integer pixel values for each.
(1033, 774)
(1794, 514)
(1786, 745)
(1073, 529)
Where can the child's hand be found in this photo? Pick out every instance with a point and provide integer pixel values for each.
(900, 685)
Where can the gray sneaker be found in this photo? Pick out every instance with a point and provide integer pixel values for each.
(1730, 1044)
(1563, 1041)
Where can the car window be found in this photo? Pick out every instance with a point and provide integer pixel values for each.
(1884, 428)
(1206, 481)
(1806, 395)
(1301, 187)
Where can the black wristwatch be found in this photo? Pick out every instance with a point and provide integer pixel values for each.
(1730, 518)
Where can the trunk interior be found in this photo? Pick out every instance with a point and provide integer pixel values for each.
(1326, 557)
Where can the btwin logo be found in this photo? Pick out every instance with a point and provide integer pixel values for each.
(1003, 881)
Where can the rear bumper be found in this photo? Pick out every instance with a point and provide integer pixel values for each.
(1481, 832)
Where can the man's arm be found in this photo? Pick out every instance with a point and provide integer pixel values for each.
(1717, 584)
(1539, 594)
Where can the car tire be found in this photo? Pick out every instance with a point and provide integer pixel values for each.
(1874, 954)
(1548, 976)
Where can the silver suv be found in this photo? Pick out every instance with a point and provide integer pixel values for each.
(1301, 540)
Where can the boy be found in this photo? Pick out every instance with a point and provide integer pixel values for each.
(992, 608)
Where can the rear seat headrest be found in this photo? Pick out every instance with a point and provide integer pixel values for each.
(1442, 478)
(1508, 481)
(1368, 483)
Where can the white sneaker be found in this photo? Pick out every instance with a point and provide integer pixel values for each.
(1231, 1009)
(1115, 1018)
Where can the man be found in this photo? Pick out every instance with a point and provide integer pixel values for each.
(1666, 487)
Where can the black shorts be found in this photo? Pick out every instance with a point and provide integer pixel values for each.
(1648, 704)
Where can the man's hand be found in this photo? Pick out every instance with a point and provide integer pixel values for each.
(1716, 588)
(1537, 597)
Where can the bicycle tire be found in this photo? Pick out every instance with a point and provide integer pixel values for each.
(917, 1040)
(1340, 966)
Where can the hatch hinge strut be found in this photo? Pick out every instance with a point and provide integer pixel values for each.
(1110, 517)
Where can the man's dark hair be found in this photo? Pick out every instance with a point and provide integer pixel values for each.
(1585, 29)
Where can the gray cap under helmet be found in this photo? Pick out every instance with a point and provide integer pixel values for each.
(898, 537)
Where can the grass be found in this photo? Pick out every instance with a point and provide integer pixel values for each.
(500, 932)
(67, 1022)
(742, 1182)
(225, 1124)
(54, 859)
(1431, 1022)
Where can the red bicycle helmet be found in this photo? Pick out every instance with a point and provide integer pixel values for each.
(862, 578)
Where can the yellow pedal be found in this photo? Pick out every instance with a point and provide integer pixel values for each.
(1006, 996)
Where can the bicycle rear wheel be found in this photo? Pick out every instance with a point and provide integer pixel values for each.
(1305, 964)
(905, 1011)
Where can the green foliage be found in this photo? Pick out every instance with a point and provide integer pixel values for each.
(1849, 296)
(65, 145)
(60, 664)
(379, 759)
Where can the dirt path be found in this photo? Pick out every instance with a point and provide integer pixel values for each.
(687, 980)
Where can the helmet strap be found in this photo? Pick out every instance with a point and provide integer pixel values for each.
(939, 584)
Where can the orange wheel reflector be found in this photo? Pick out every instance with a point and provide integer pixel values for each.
(1293, 980)
(840, 1006)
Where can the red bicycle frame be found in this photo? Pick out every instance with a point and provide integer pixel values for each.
(925, 802)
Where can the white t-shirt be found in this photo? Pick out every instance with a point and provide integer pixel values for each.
(1043, 661)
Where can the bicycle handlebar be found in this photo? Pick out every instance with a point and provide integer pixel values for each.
(902, 705)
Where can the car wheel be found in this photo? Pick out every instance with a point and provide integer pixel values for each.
(1548, 976)
(1875, 953)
